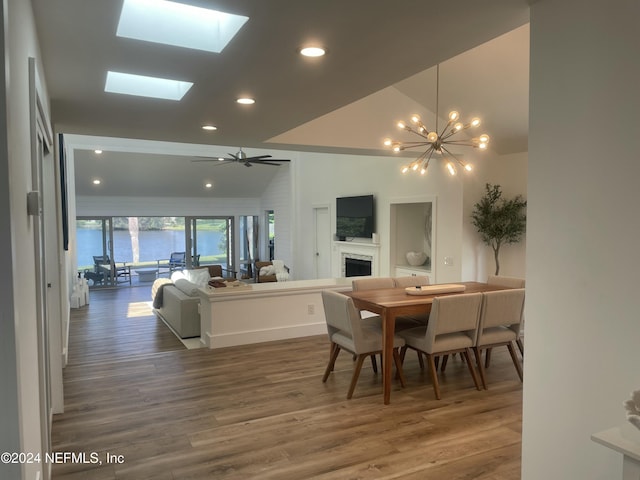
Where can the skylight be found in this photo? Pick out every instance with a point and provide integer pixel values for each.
(172, 23)
(129, 84)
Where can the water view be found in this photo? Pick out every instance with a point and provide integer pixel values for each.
(153, 245)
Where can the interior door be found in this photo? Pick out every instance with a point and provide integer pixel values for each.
(322, 225)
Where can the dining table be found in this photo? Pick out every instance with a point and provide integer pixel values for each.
(391, 303)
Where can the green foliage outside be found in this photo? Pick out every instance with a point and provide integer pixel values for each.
(498, 220)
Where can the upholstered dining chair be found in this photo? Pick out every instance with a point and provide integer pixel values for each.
(452, 328)
(402, 323)
(511, 282)
(413, 281)
(500, 321)
(348, 332)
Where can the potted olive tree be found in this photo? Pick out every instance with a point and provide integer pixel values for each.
(498, 220)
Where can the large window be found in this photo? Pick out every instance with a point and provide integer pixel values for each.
(146, 241)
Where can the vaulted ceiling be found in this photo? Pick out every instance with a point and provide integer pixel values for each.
(380, 68)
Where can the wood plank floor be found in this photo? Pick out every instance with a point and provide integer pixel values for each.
(262, 412)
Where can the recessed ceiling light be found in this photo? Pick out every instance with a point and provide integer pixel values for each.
(246, 101)
(208, 185)
(209, 127)
(97, 181)
(173, 23)
(312, 51)
(154, 87)
(97, 152)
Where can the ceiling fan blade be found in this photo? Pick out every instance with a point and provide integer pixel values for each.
(213, 159)
(258, 157)
(264, 162)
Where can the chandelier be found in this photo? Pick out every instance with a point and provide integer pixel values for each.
(438, 143)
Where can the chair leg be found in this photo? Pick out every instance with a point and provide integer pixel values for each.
(514, 357)
(478, 355)
(433, 371)
(487, 358)
(356, 374)
(520, 344)
(398, 362)
(335, 350)
(374, 364)
(445, 358)
(420, 360)
(472, 370)
(436, 362)
(403, 352)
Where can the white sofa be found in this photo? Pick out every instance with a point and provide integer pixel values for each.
(179, 304)
(180, 312)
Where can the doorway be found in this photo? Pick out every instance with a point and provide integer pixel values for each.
(322, 254)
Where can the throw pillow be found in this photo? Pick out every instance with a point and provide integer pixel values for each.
(176, 275)
(267, 270)
(187, 287)
(199, 276)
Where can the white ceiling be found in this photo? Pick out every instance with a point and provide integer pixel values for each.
(379, 69)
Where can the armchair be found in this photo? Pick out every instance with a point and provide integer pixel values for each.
(265, 274)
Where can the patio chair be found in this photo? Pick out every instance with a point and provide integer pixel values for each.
(177, 261)
(106, 270)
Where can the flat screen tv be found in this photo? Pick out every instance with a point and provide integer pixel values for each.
(355, 217)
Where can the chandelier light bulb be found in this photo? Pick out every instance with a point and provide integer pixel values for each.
(396, 148)
(387, 142)
(468, 167)
(423, 170)
(414, 167)
(482, 146)
(458, 126)
(405, 169)
(415, 118)
(453, 116)
(432, 136)
(401, 125)
(484, 138)
(475, 122)
(451, 168)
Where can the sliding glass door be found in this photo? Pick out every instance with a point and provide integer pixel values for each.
(211, 241)
(94, 237)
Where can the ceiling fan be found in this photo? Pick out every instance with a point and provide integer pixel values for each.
(242, 158)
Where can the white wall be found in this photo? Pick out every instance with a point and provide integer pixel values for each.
(320, 178)
(22, 43)
(510, 172)
(583, 230)
(278, 197)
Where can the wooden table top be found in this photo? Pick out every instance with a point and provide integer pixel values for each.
(398, 297)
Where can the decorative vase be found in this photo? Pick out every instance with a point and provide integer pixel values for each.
(416, 258)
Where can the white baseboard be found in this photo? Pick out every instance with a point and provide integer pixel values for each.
(269, 335)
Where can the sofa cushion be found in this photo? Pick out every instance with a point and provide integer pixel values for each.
(187, 287)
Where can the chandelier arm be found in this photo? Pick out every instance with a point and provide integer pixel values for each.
(462, 164)
(414, 144)
(444, 130)
(464, 143)
(450, 134)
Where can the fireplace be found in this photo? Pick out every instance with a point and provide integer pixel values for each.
(363, 259)
(354, 265)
